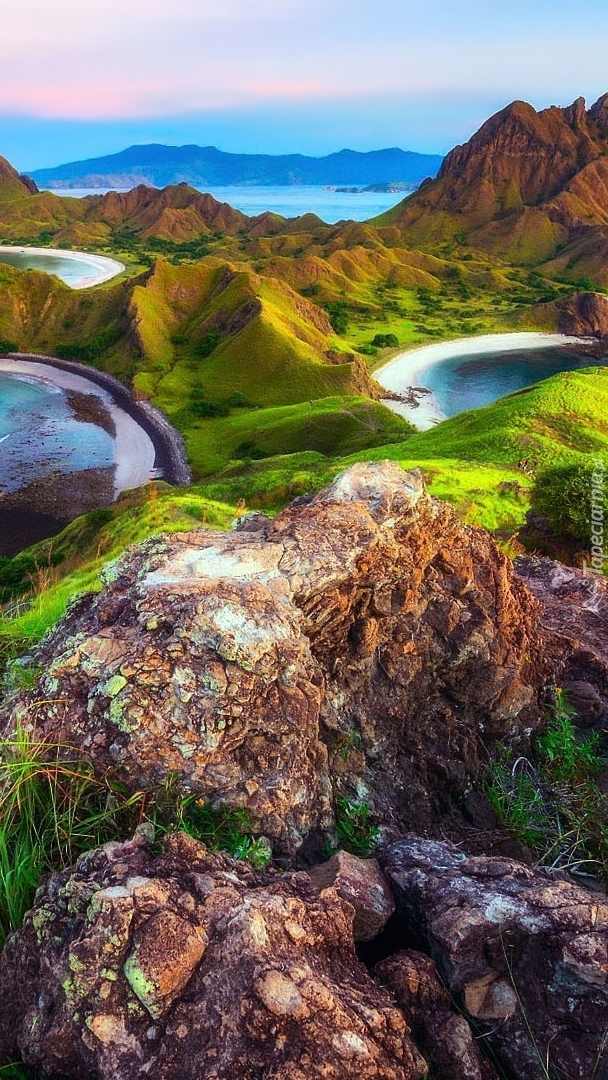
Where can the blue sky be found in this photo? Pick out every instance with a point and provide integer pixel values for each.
(279, 76)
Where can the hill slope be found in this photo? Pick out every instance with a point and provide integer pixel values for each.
(529, 188)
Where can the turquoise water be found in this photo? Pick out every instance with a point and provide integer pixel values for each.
(468, 382)
(40, 434)
(71, 271)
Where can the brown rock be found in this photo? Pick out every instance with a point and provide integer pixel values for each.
(524, 174)
(191, 967)
(441, 1032)
(361, 883)
(525, 951)
(244, 664)
(574, 623)
(584, 314)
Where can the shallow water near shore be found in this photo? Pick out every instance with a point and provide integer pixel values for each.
(470, 373)
(41, 431)
(77, 269)
(470, 382)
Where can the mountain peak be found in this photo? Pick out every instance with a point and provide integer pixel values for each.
(12, 183)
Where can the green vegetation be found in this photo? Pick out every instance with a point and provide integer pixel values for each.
(355, 829)
(53, 807)
(550, 802)
(37, 584)
(563, 495)
(219, 827)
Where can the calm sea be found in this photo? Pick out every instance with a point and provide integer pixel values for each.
(71, 271)
(39, 434)
(468, 382)
(330, 206)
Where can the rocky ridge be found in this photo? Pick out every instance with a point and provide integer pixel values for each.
(363, 633)
(363, 645)
(529, 186)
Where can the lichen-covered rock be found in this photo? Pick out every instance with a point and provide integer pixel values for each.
(440, 1030)
(525, 952)
(362, 884)
(188, 966)
(363, 633)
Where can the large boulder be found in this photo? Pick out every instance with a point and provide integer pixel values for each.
(188, 966)
(525, 952)
(364, 636)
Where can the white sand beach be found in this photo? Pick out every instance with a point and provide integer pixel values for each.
(407, 370)
(134, 452)
(102, 268)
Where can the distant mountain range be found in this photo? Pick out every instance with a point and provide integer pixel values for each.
(203, 166)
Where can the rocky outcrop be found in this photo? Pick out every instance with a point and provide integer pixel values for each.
(12, 184)
(530, 187)
(524, 951)
(363, 642)
(519, 157)
(439, 1028)
(190, 967)
(584, 314)
(360, 883)
(574, 621)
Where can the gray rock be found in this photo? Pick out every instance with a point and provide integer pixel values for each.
(526, 953)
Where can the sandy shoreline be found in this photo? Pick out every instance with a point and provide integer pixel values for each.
(102, 267)
(407, 370)
(134, 452)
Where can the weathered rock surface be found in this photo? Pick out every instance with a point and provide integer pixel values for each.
(362, 884)
(584, 313)
(574, 620)
(441, 1032)
(525, 952)
(528, 186)
(188, 966)
(243, 663)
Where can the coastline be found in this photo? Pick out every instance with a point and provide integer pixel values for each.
(406, 371)
(105, 268)
(144, 441)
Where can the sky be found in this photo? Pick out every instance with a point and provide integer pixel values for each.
(282, 76)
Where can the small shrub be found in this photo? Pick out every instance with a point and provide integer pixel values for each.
(222, 828)
(385, 341)
(337, 311)
(207, 410)
(562, 495)
(249, 449)
(355, 829)
(207, 344)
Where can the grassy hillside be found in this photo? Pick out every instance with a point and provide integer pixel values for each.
(472, 461)
(259, 337)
